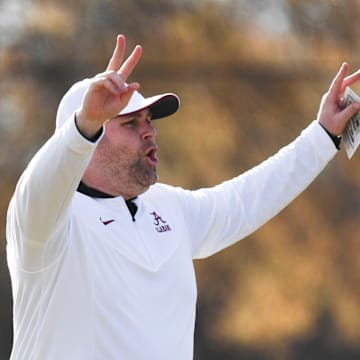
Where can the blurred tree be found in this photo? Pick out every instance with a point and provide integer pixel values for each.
(250, 75)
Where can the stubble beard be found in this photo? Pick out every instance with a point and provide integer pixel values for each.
(131, 178)
(124, 172)
(141, 175)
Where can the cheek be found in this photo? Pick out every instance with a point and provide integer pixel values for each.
(116, 148)
(116, 137)
(111, 140)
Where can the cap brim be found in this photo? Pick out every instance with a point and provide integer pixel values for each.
(160, 105)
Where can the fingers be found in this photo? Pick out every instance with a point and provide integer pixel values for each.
(128, 66)
(118, 54)
(340, 82)
(116, 61)
(350, 111)
(336, 87)
(351, 79)
(111, 81)
(333, 113)
(341, 103)
(125, 98)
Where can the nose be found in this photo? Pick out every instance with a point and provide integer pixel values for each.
(148, 131)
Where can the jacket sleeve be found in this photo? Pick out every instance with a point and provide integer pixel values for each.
(218, 217)
(38, 212)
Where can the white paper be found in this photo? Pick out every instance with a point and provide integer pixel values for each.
(351, 135)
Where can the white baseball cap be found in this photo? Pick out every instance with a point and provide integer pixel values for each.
(160, 105)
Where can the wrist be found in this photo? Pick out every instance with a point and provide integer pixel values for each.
(336, 139)
(90, 134)
(89, 129)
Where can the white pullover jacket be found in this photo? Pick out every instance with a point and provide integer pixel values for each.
(89, 283)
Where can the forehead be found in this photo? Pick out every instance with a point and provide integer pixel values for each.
(141, 113)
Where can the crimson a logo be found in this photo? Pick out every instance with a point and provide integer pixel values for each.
(160, 224)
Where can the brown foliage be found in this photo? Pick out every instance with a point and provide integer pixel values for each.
(245, 92)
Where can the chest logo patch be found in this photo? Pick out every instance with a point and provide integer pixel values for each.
(106, 222)
(160, 224)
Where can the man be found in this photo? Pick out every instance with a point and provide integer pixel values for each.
(100, 255)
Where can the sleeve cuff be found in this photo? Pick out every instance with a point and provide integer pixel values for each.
(335, 139)
(94, 138)
(75, 140)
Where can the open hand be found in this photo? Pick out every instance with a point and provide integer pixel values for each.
(108, 92)
(333, 115)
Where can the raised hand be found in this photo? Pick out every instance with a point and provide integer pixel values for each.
(333, 115)
(108, 92)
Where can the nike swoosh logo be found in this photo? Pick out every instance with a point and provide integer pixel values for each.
(106, 222)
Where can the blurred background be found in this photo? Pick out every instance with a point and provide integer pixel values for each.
(250, 74)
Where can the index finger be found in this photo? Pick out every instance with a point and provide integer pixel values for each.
(118, 54)
(337, 84)
(128, 66)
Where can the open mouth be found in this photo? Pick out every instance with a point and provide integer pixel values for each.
(151, 155)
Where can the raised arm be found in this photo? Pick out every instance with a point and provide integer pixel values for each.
(222, 215)
(38, 211)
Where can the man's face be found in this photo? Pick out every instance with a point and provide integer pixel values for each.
(125, 158)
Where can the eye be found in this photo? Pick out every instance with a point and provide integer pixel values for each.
(129, 123)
